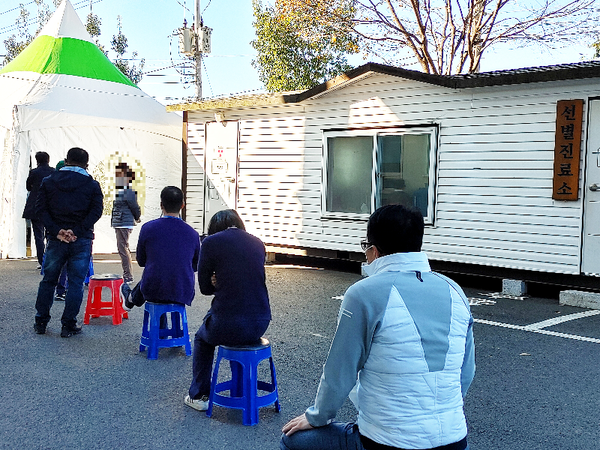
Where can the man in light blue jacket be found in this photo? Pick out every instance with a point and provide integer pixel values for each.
(405, 339)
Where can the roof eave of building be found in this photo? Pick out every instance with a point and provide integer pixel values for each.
(584, 70)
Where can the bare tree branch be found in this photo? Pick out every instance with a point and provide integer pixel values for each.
(451, 36)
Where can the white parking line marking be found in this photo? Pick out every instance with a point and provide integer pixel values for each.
(499, 324)
(476, 301)
(557, 320)
(319, 335)
(538, 331)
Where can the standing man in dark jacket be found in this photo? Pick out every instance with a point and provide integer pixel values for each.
(125, 214)
(69, 203)
(34, 180)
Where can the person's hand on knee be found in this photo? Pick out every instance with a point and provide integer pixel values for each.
(299, 423)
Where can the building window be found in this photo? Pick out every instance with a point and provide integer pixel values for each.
(366, 169)
(349, 163)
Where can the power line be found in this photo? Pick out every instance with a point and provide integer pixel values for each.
(14, 26)
(207, 5)
(184, 7)
(165, 68)
(10, 28)
(207, 79)
(14, 9)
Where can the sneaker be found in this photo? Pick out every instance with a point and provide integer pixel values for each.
(69, 331)
(199, 404)
(39, 328)
(125, 293)
(60, 297)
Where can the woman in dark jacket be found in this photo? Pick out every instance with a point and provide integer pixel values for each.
(232, 267)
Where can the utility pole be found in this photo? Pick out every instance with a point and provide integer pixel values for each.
(198, 54)
(193, 42)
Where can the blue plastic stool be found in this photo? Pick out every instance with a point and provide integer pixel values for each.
(90, 271)
(244, 384)
(156, 332)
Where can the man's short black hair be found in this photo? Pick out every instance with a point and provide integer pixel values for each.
(77, 157)
(42, 158)
(171, 198)
(396, 229)
(224, 219)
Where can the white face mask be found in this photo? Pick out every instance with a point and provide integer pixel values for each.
(121, 181)
(368, 269)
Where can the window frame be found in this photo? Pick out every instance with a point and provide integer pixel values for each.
(374, 133)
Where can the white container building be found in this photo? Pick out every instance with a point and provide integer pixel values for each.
(476, 153)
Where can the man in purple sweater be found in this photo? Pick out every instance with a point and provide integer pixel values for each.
(168, 249)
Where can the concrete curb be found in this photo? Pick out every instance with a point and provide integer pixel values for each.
(581, 299)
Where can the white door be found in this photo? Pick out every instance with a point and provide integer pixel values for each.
(221, 167)
(591, 195)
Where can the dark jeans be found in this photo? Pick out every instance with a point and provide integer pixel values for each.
(137, 298)
(76, 256)
(335, 436)
(63, 282)
(213, 332)
(61, 287)
(39, 236)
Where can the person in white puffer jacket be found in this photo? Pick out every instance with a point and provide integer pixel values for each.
(405, 339)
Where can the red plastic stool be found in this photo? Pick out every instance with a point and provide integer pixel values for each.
(95, 307)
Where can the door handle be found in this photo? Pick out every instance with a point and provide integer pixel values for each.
(594, 187)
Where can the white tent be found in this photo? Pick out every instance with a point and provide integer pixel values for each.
(63, 92)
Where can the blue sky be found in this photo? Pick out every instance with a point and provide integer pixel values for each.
(148, 25)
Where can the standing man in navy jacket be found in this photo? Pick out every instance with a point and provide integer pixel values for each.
(69, 204)
(33, 183)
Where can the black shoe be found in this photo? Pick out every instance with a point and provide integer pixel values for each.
(69, 331)
(60, 297)
(125, 294)
(39, 328)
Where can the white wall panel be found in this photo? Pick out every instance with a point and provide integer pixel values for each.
(494, 201)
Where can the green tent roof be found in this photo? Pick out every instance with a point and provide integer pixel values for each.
(67, 56)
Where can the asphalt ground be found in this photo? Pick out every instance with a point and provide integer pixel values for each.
(535, 388)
